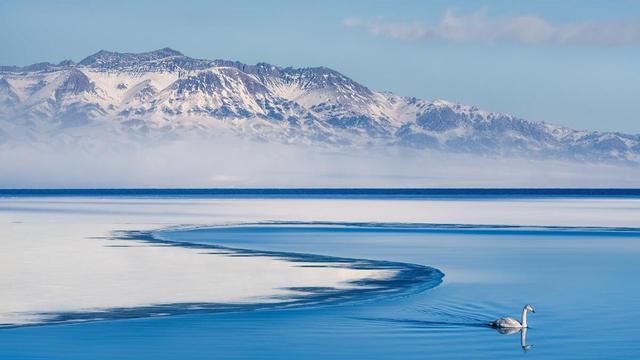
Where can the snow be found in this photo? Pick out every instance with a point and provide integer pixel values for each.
(108, 82)
(56, 256)
(258, 103)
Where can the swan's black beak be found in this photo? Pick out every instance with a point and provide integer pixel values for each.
(533, 311)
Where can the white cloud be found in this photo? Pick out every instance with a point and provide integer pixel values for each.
(525, 29)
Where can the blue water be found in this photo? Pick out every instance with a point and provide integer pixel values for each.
(581, 281)
(395, 193)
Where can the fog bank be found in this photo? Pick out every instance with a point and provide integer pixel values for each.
(238, 163)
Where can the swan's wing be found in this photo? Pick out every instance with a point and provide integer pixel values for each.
(506, 323)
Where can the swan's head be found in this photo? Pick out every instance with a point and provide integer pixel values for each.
(528, 307)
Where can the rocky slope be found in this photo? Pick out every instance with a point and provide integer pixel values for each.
(167, 94)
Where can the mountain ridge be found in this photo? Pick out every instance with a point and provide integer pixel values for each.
(166, 92)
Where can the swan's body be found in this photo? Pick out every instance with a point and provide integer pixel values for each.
(511, 323)
(507, 322)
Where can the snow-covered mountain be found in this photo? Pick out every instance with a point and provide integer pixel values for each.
(164, 93)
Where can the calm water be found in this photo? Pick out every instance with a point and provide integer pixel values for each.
(349, 193)
(582, 283)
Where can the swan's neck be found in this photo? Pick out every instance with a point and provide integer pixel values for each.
(524, 317)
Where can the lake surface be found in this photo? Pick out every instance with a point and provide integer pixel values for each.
(581, 280)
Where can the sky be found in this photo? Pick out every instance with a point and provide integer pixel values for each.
(573, 63)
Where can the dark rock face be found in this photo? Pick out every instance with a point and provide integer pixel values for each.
(440, 120)
(76, 82)
(8, 97)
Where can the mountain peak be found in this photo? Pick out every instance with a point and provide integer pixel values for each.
(169, 50)
(115, 60)
(66, 63)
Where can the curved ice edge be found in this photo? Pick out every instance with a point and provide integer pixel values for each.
(407, 279)
(446, 227)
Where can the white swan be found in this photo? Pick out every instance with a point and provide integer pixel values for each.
(513, 323)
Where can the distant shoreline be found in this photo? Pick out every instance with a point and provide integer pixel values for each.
(329, 192)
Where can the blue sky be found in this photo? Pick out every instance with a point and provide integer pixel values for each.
(574, 63)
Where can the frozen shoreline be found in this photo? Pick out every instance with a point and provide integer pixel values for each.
(58, 255)
(61, 263)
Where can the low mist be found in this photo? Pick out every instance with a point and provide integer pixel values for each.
(237, 163)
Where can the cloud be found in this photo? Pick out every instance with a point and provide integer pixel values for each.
(523, 29)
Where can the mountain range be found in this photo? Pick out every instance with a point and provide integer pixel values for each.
(164, 94)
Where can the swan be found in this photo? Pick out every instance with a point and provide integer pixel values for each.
(513, 323)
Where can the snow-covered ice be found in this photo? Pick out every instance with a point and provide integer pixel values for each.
(57, 254)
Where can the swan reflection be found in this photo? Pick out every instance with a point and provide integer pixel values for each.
(523, 336)
(431, 325)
